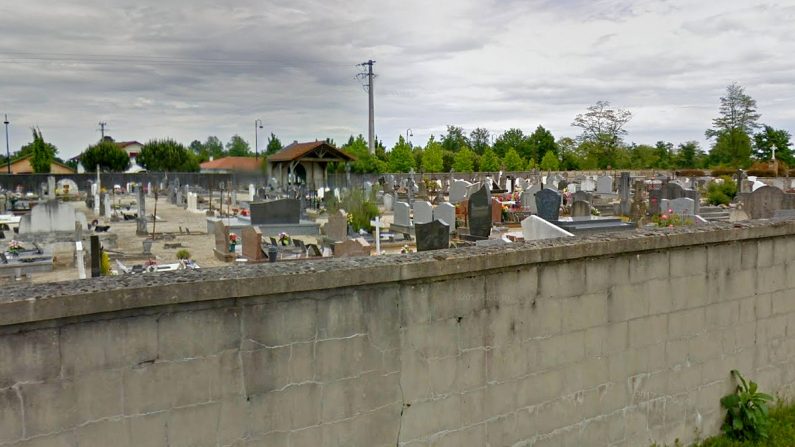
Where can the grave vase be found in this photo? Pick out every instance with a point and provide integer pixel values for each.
(273, 252)
(232, 247)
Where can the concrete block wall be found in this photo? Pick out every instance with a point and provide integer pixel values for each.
(622, 341)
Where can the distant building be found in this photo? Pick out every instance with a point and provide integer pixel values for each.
(133, 149)
(228, 165)
(23, 166)
(305, 163)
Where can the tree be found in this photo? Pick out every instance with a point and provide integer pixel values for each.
(464, 160)
(539, 143)
(664, 155)
(513, 161)
(401, 158)
(214, 147)
(107, 154)
(511, 138)
(238, 147)
(479, 140)
(432, 160)
(454, 140)
(689, 155)
(489, 162)
(769, 139)
(550, 162)
(167, 155)
(642, 156)
(274, 145)
(737, 112)
(42, 154)
(603, 127)
(732, 148)
(567, 151)
(365, 161)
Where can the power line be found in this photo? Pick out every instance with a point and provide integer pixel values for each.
(102, 125)
(369, 75)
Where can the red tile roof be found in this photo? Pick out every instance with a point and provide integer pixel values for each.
(296, 151)
(246, 164)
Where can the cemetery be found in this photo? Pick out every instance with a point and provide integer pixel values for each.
(140, 225)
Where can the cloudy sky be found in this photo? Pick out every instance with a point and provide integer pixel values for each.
(192, 68)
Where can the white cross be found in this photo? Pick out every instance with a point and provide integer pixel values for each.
(376, 223)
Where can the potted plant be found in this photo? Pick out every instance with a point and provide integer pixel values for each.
(14, 247)
(232, 242)
(284, 239)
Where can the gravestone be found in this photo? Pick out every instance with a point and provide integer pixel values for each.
(655, 201)
(672, 190)
(252, 192)
(588, 185)
(548, 204)
(682, 206)
(252, 244)
(368, 188)
(352, 248)
(535, 228)
(388, 201)
(221, 249)
(434, 235)
(423, 212)
(193, 201)
(281, 211)
(580, 210)
(96, 257)
(50, 187)
(763, 202)
(479, 213)
(337, 226)
(140, 221)
(638, 210)
(528, 198)
(446, 213)
(624, 193)
(604, 184)
(583, 196)
(459, 190)
(402, 217)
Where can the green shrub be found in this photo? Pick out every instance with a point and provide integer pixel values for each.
(718, 172)
(183, 254)
(722, 193)
(104, 264)
(361, 210)
(747, 416)
(690, 173)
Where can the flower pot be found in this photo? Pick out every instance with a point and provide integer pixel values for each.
(232, 247)
(273, 252)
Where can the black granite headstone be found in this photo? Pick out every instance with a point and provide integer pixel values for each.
(96, 257)
(548, 204)
(433, 235)
(282, 211)
(479, 212)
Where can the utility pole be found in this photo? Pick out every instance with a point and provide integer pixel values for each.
(257, 126)
(102, 125)
(369, 87)
(8, 154)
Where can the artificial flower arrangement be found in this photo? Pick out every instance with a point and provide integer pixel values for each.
(284, 238)
(671, 219)
(232, 242)
(15, 247)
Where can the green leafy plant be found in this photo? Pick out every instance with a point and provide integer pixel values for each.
(747, 416)
(721, 193)
(104, 264)
(183, 254)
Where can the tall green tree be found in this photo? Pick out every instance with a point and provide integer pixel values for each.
(689, 155)
(603, 127)
(464, 160)
(365, 161)
(489, 162)
(567, 151)
(432, 160)
(511, 138)
(770, 139)
(455, 139)
(214, 147)
(550, 162)
(42, 154)
(238, 147)
(643, 156)
(539, 143)
(401, 157)
(479, 140)
(732, 148)
(737, 111)
(167, 155)
(513, 161)
(664, 152)
(274, 145)
(107, 155)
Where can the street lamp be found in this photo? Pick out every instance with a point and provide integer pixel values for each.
(8, 154)
(257, 125)
(409, 133)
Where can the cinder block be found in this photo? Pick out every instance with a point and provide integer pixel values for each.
(337, 359)
(104, 433)
(509, 361)
(539, 388)
(555, 280)
(688, 292)
(148, 430)
(340, 316)
(473, 406)
(99, 395)
(582, 312)
(10, 416)
(765, 253)
(626, 302)
(160, 386)
(414, 376)
(686, 323)
(463, 372)
(382, 322)
(541, 318)
(194, 426)
(783, 302)
(198, 333)
(500, 398)
(688, 261)
(438, 339)
(561, 349)
(459, 297)
(597, 275)
(425, 418)
(90, 346)
(648, 266)
(501, 430)
(266, 369)
(504, 288)
(49, 407)
(648, 331)
(29, 357)
(475, 435)
(280, 323)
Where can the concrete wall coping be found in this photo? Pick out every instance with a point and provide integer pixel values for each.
(21, 304)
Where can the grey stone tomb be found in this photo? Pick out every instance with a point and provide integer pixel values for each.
(434, 235)
(423, 212)
(282, 211)
(446, 213)
(580, 210)
(548, 204)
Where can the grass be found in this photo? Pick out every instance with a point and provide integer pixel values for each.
(782, 431)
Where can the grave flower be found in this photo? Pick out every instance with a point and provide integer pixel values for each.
(284, 238)
(15, 247)
(232, 242)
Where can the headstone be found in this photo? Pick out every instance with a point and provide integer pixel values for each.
(528, 198)
(479, 213)
(423, 212)
(221, 249)
(655, 201)
(281, 211)
(434, 235)
(446, 213)
(548, 204)
(402, 217)
(337, 226)
(496, 211)
(682, 206)
(389, 201)
(81, 266)
(50, 187)
(96, 257)
(604, 184)
(583, 196)
(536, 228)
(252, 244)
(672, 190)
(588, 185)
(107, 204)
(459, 190)
(763, 202)
(193, 201)
(624, 193)
(140, 221)
(352, 248)
(580, 210)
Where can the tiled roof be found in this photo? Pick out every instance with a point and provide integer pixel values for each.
(296, 151)
(247, 164)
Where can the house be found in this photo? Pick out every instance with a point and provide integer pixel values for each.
(23, 166)
(305, 163)
(227, 165)
(133, 148)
